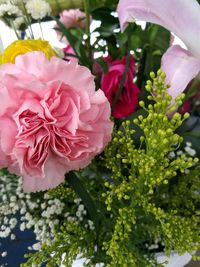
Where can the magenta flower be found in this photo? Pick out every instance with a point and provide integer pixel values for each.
(68, 49)
(52, 120)
(181, 17)
(110, 81)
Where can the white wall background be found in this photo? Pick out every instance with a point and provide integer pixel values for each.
(7, 35)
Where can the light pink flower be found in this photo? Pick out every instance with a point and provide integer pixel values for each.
(52, 120)
(181, 17)
(73, 18)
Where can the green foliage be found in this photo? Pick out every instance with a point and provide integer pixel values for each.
(149, 185)
(146, 197)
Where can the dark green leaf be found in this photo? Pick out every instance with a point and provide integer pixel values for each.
(75, 42)
(78, 187)
(103, 65)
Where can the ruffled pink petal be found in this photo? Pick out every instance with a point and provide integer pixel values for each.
(180, 67)
(56, 69)
(31, 62)
(79, 77)
(54, 171)
(52, 122)
(182, 17)
(8, 131)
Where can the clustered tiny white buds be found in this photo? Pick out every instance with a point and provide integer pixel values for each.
(38, 9)
(9, 10)
(189, 150)
(18, 22)
(43, 222)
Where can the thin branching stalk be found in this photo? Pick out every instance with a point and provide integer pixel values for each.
(87, 27)
(40, 25)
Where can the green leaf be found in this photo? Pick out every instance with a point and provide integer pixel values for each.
(104, 15)
(78, 187)
(95, 4)
(75, 42)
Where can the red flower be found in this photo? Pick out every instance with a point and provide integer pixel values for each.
(186, 106)
(110, 81)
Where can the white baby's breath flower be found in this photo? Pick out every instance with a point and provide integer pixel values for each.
(188, 144)
(9, 10)
(38, 9)
(13, 198)
(172, 154)
(187, 171)
(4, 254)
(180, 152)
(18, 22)
(37, 246)
(12, 237)
(22, 226)
(190, 151)
(13, 222)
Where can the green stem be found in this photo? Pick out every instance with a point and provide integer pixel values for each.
(76, 184)
(28, 21)
(87, 12)
(122, 81)
(41, 29)
(16, 33)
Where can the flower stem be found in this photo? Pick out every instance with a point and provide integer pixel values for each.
(28, 21)
(41, 29)
(87, 12)
(122, 81)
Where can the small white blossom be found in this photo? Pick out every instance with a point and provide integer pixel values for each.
(9, 10)
(91, 225)
(187, 171)
(77, 201)
(190, 151)
(22, 226)
(3, 227)
(188, 144)
(4, 254)
(38, 9)
(81, 207)
(12, 237)
(37, 246)
(180, 152)
(172, 154)
(18, 22)
(13, 222)
(13, 198)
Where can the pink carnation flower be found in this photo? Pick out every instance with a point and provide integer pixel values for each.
(73, 18)
(52, 120)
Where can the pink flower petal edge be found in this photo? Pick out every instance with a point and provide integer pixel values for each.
(180, 68)
(182, 17)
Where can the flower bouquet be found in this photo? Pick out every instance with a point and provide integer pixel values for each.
(99, 141)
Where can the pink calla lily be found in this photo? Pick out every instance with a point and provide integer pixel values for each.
(181, 17)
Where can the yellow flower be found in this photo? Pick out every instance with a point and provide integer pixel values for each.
(21, 47)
